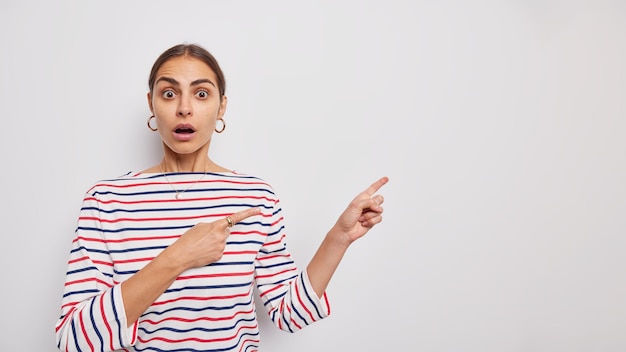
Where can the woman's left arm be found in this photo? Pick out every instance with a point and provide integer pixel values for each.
(360, 216)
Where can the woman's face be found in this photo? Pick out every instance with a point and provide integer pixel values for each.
(186, 102)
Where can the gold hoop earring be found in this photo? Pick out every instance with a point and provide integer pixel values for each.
(223, 125)
(153, 129)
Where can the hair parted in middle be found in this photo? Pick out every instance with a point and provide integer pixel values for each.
(190, 50)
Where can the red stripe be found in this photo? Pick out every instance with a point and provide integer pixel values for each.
(242, 233)
(82, 327)
(77, 260)
(239, 252)
(106, 322)
(102, 263)
(129, 239)
(188, 277)
(270, 290)
(135, 260)
(280, 309)
(327, 303)
(151, 183)
(199, 298)
(135, 328)
(282, 238)
(74, 261)
(277, 221)
(302, 303)
(221, 339)
(276, 274)
(291, 318)
(97, 219)
(69, 304)
(67, 316)
(179, 200)
(195, 320)
(69, 283)
(274, 256)
(245, 343)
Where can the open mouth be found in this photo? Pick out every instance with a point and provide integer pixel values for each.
(184, 130)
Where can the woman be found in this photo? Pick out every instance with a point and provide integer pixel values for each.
(166, 259)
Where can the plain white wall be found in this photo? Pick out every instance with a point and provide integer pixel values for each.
(501, 125)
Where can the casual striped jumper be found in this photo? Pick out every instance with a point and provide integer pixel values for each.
(125, 222)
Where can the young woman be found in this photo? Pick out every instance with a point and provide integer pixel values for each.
(166, 259)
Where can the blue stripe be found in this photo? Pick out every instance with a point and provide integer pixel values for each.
(75, 335)
(229, 263)
(306, 322)
(93, 324)
(277, 211)
(278, 231)
(207, 287)
(308, 296)
(273, 283)
(81, 270)
(245, 242)
(286, 323)
(194, 350)
(248, 347)
(203, 309)
(276, 265)
(147, 210)
(232, 327)
(117, 320)
(187, 191)
(71, 293)
(136, 249)
(99, 230)
(130, 272)
(160, 176)
(277, 298)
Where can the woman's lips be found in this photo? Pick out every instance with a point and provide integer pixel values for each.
(184, 132)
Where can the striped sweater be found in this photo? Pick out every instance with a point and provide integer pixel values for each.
(125, 222)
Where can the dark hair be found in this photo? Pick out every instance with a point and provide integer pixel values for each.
(192, 50)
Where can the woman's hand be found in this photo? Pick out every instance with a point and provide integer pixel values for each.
(362, 214)
(205, 242)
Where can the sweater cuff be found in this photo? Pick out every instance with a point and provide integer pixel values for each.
(320, 302)
(128, 335)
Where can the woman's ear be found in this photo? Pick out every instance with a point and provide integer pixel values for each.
(222, 109)
(149, 96)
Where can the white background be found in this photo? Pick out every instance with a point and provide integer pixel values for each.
(501, 125)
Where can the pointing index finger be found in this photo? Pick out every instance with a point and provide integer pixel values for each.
(242, 215)
(376, 186)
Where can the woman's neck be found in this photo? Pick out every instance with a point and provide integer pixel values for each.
(178, 164)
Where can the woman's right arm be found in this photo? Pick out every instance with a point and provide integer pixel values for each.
(202, 244)
(99, 313)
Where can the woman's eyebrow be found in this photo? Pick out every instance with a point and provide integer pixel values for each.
(202, 80)
(169, 80)
(172, 81)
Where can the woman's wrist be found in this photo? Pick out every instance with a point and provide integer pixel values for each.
(338, 237)
(170, 261)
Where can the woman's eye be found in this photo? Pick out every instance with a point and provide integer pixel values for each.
(202, 94)
(168, 94)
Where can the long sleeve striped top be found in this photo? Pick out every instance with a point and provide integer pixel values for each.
(125, 222)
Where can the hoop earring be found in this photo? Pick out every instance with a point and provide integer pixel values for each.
(153, 129)
(223, 125)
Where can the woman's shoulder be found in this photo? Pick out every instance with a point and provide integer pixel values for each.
(116, 181)
(245, 178)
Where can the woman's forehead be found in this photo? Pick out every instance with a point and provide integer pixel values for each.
(186, 67)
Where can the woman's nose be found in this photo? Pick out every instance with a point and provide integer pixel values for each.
(184, 111)
(184, 108)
